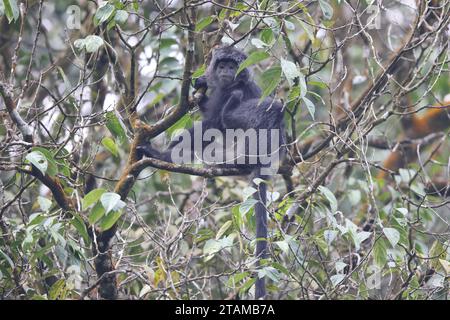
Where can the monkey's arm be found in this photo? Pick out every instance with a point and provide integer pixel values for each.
(252, 91)
(234, 101)
(226, 117)
(201, 83)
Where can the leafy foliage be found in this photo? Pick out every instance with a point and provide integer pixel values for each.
(338, 228)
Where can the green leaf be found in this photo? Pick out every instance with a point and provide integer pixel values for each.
(269, 272)
(44, 203)
(39, 160)
(337, 279)
(258, 43)
(406, 174)
(237, 216)
(103, 13)
(437, 251)
(354, 196)
(281, 268)
(96, 213)
(247, 192)
(310, 106)
(7, 258)
(234, 279)
(294, 93)
(79, 44)
(11, 10)
(319, 84)
(223, 229)
(327, 9)
(167, 42)
(252, 59)
(247, 285)
(199, 72)
(203, 234)
(92, 43)
(330, 197)
(267, 36)
(239, 8)
(247, 205)
(91, 198)
(211, 247)
(258, 181)
(36, 218)
(111, 146)
(115, 126)
(80, 226)
(329, 236)
(290, 70)
(110, 219)
(303, 86)
(56, 290)
(392, 235)
(363, 235)
(67, 83)
(52, 167)
(289, 25)
(111, 201)
(270, 80)
(184, 123)
(308, 30)
(111, 24)
(121, 16)
(445, 265)
(283, 245)
(202, 24)
(380, 253)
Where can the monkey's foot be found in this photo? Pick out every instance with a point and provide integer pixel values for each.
(146, 150)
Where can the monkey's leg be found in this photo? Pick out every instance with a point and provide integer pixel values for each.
(148, 151)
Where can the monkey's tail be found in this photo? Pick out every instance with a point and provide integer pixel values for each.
(261, 234)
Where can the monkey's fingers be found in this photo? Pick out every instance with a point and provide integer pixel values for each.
(200, 83)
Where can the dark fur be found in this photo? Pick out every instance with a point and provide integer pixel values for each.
(236, 106)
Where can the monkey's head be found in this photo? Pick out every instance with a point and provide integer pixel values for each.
(225, 72)
(224, 64)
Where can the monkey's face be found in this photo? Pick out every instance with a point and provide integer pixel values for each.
(225, 72)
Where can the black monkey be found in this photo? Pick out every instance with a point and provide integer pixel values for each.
(238, 113)
(233, 102)
(221, 83)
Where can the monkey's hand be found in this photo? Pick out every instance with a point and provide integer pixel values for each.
(200, 83)
(148, 151)
(234, 100)
(237, 95)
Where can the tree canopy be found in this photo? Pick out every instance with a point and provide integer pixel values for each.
(358, 210)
